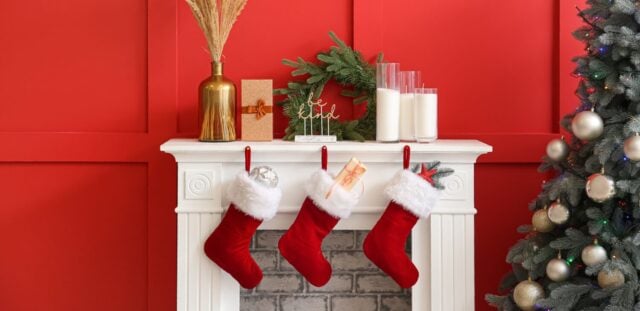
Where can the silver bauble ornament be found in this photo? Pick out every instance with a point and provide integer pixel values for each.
(265, 176)
(527, 293)
(632, 147)
(557, 149)
(610, 279)
(541, 222)
(558, 270)
(558, 213)
(593, 254)
(600, 187)
(587, 125)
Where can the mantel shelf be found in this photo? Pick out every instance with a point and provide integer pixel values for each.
(191, 150)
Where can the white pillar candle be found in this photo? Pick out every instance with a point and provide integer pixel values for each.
(387, 115)
(426, 115)
(387, 102)
(407, 117)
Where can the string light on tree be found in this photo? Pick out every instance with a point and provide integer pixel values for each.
(587, 125)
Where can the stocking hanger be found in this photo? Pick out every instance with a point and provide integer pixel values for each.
(324, 158)
(247, 158)
(406, 159)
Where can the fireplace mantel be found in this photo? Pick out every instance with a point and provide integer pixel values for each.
(442, 246)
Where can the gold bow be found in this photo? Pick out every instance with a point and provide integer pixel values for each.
(260, 109)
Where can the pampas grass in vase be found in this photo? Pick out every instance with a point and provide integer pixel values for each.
(217, 93)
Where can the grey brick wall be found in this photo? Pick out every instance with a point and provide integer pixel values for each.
(356, 284)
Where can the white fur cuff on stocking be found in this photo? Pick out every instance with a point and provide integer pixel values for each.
(340, 202)
(415, 194)
(252, 198)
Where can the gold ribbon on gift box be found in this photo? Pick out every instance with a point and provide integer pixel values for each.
(260, 109)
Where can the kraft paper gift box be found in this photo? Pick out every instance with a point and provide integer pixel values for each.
(257, 110)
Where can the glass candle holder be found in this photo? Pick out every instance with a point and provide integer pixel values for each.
(408, 84)
(426, 114)
(387, 102)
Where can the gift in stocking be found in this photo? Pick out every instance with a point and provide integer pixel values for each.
(228, 246)
(412, 197)
(301, 244)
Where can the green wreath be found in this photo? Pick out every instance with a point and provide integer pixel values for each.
(345, 66)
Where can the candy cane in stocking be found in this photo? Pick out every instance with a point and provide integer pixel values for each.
(228, 245)
(412, 197)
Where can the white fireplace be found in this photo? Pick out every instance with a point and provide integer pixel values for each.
(442, 246)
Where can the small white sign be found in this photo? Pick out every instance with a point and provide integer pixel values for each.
(316, 139)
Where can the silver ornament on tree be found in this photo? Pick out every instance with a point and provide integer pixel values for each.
(600, 187)
(558, 270)
(541, 222)
(632, 147)
(593, 254)
(527, 293)
(557, 149)
(610, 279)
(558, 213)
(264, 175)
(587, 125)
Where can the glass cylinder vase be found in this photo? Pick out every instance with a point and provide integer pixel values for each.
(407, 96)
(426, 114)
(217, 110)
(387, 102)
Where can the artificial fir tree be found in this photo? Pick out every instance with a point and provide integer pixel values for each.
(582, 251)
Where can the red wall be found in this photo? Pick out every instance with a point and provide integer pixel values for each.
(90, 89)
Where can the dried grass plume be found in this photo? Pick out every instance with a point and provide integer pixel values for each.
(216, 18)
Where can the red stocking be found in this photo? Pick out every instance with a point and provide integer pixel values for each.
(301, 244)
(228, 245)
(412, 198)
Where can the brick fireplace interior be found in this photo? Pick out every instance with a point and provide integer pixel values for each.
(356, 284)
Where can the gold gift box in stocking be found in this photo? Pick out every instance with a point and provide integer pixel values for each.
(257, 110)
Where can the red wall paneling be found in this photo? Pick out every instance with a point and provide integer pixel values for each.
(89, 90)
(74, 235)
(70, 67)
(87, 94)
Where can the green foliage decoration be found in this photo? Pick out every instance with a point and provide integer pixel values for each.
(345, 66)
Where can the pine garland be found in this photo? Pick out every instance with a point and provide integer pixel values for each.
(345, 66)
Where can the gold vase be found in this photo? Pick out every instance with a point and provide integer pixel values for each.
(217, 107)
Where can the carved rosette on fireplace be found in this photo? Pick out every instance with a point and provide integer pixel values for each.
(442, 246)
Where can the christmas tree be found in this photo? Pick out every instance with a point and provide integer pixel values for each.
(582, 250)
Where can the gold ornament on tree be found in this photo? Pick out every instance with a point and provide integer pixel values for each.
(632, 147)
(217, 94)
(541, 222)
(587, 125)
(557, 269)
(557, 149)
(558, 213)
(527, 293)
(610, 279)
(600, 187)
(593, 254)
